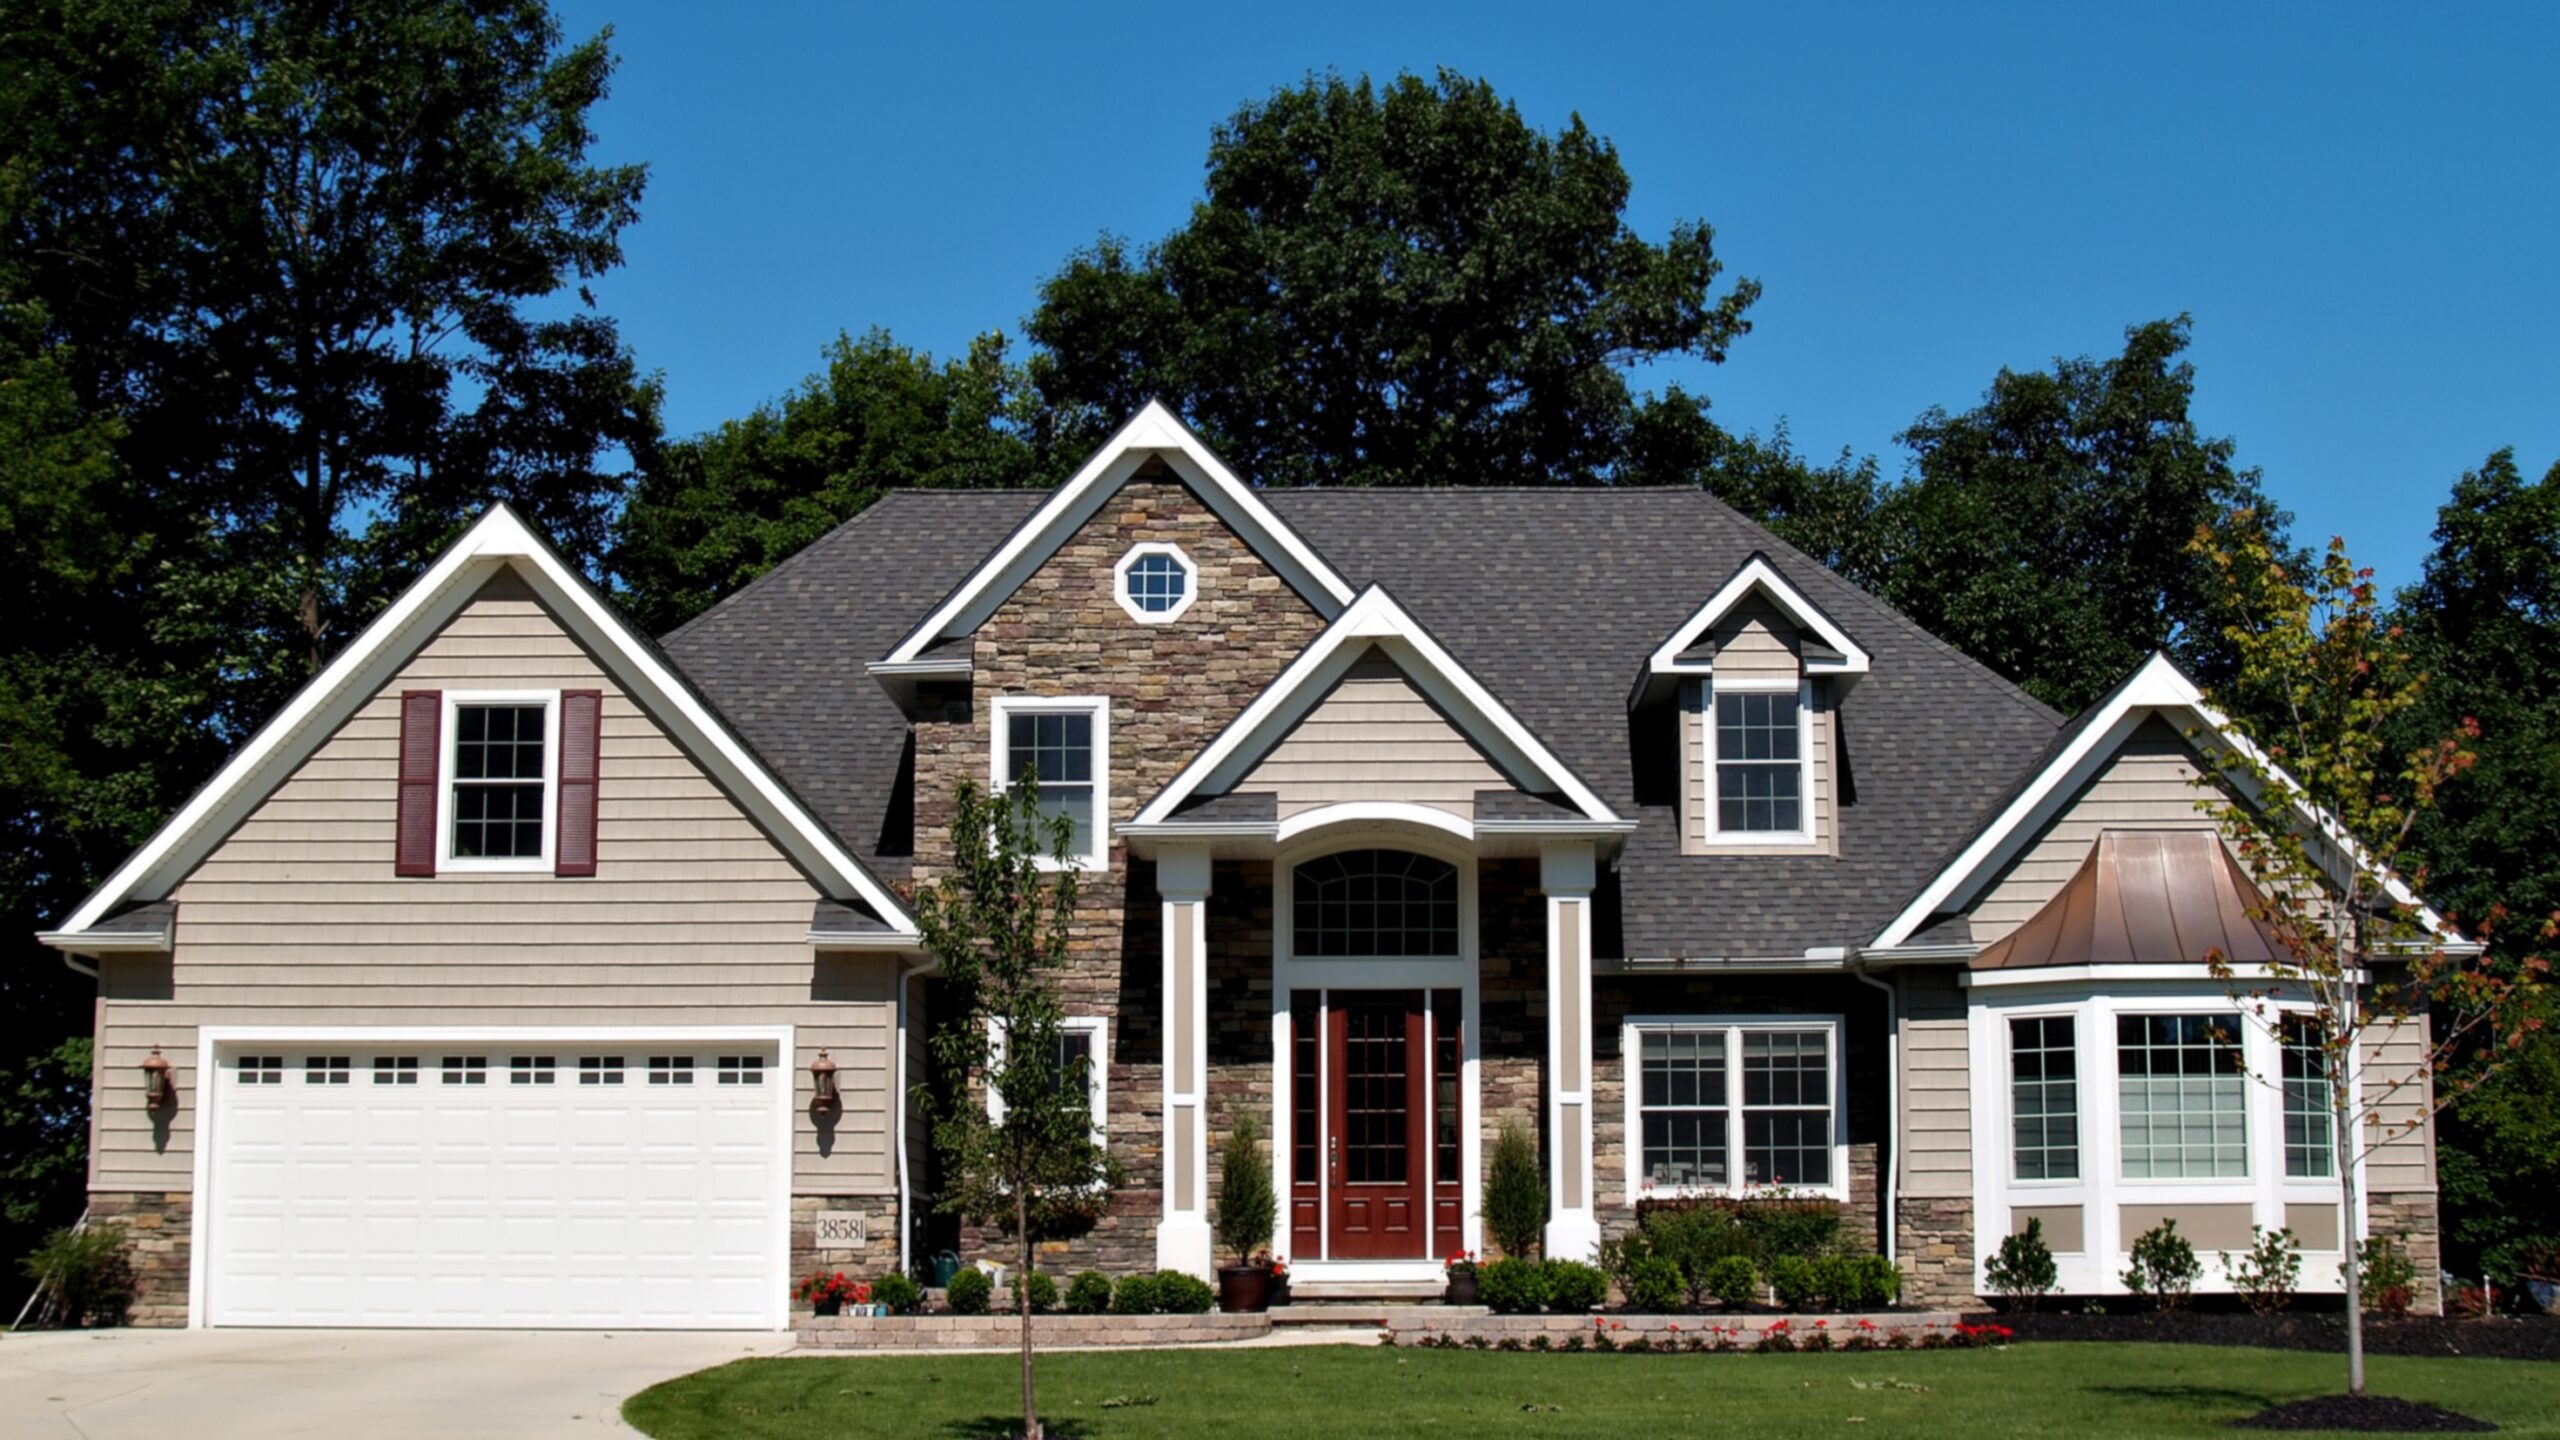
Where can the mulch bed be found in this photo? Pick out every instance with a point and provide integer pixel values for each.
(2500, 1337)
(2370, 1413)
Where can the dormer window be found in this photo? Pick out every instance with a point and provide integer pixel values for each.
(1759, 758)
(1156, 583)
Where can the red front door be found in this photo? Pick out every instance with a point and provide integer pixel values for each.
(1377, 1153)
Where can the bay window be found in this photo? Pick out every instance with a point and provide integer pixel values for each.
(2044, 1098)
(2182, 1097)
(2310, 1127)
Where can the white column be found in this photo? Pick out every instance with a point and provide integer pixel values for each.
(1565, 873)
(1182, 1237)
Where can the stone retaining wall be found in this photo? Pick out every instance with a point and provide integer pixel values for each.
(956, 1332)
(1417, 1324)
(155, 1224)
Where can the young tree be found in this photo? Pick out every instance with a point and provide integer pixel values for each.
(2320, 812)
(998, 925)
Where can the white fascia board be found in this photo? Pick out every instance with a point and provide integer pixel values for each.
(1153, 431)
(1374, 618)
(149, 942)
(368, 664)
(1758, 574)
(2158, 686)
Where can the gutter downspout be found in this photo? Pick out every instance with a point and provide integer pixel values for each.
(906, 1221)
(1890, 1194)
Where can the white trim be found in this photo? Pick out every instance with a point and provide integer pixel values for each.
(1184, 877)
(1129, 603)
(1808, 831)
(151, 942)
(211, 1039)
(1734, 1027)
(449, 744)
(1097, 1070)
(1373, 814)
(2157, 686)
(1566, 874)
(368, 666)
(2102, 1190)
(999, 764)
(1758, 574)
(1462, 972)
(1374, 619)
(1153, 431)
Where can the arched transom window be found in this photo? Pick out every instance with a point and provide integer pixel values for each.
(1374, 902)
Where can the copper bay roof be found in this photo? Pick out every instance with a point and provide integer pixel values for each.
(2143, 897)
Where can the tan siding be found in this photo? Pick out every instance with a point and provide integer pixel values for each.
(2145, 786)
(2404, 1161)
(693, 918)
(1756, 641)
(1937, 1095)
(1375, 737)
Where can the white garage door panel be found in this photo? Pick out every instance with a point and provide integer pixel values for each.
(501, 1203)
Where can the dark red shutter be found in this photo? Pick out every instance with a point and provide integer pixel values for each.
(581, 718)
(421, 751)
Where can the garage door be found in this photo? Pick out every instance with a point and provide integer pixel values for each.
(539, 1183)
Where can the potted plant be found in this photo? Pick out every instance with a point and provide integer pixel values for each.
(1460, 1270)
(827, 1292)
(1278, 1265)
(1247, 1210)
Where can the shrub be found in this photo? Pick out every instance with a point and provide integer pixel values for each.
(1695, 1239)
(1180, 1294)
(1044, 1291)
(1835, 1281)
(2267, 1273)
(970, 1291)
(2164, 1266)
(1134, 1295)
(1247, 1206)
(1513, 1286)
(1515, 1194)
(86, 1266)
(1733, 1281)
(1089, 1294)
(2023, 1271)
(2385, 1276)
(1788, 1227)
(902, 1295)
(1792, 1278)
(1573, 1287)
(1654, 1284)
(1620, 1257)
(1856, 1282)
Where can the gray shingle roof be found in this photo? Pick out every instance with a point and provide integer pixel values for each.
(1552, 598)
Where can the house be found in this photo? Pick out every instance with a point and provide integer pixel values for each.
(525, 972)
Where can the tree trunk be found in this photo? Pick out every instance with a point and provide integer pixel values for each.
(1022, 1304)
(2353, 1211)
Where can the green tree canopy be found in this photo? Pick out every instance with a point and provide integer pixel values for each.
(2044, 532)
(1397, 284)
(712, 512)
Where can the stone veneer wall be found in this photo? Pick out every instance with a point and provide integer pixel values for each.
(877, 1256)
(2410, 1218)
(1936, 1252)
(157, 1244)
(1614, 998)
(1511, 1011)
(1172, 687)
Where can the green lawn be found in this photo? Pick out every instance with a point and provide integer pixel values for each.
(2091, 1390)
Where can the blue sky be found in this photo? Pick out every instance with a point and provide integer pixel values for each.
(2359, 204)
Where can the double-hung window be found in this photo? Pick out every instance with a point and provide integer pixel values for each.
(2182, 1097)
(1725, 1105)
(1083, 1061)
(2044, 1097)
(1759, 750)
(2310, 1127)
(501, 765)
(1064, 747)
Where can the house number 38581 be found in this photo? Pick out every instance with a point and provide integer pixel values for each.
(842, 1230)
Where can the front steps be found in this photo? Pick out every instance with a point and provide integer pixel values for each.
(1374, 1313)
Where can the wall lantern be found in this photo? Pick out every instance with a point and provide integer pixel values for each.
(822, 1085)
(157, 1092)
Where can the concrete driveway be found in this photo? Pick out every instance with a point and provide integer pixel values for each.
(380, 1384)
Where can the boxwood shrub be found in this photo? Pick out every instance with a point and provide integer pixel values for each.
(1733, 1282)
(1135, 1295)
(1180, 1294)
(1089, 1294)
(969, 1292)
(1573, 1287)
(902, 1295)
(1654, 1285)
(1512, 1286)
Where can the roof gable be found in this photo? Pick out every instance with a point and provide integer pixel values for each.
(1825, 648)
(498, 542)
(1374, 622)
(1152, 434)
(2159, 687)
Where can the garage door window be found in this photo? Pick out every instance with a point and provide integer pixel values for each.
(326, 1069)
(670, 1069)
(261, 1069)
(466, 1069)
(395, 1069)
(741, 1069)
(599, 1069)
(530, 1069)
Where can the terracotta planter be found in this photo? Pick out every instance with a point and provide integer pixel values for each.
(1462, 1290)
(1244, 1289)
